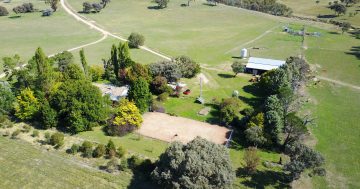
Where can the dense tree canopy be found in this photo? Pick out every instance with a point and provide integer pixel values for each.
(198, 164)
(168, 69)
(79, 104)
(27, 105)
(7, 98)
(140, 94)
(63, 59)
(188, 67)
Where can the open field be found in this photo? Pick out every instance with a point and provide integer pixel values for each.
(24, 166)
(310, 8)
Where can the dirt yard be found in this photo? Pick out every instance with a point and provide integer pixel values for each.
(169, 128)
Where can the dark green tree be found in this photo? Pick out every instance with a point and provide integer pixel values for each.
(272, 81)
(338, 8)
(79, 103)
(73, 72)
(136, 71)
(84, 63)
(237, 67)
(162, 3)
(189, 68)
(140, 94)
(7, 98)
(99, 151)
(53, 4)
(198, 164)
(114, 59)
(44, 71)
(63, 59)
(136, 40)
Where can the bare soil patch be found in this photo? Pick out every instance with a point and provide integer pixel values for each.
(169, 128)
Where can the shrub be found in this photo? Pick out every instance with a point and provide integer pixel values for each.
(159, 85)
(134, 162)
(136, 40)
(15, 133)
(97, 7)
(111, 149)
(121, 151)
(99, 151)
(157, 107)
(24, 8)
(87, 7)
(26, 129)
(47, 137)
(57, 139)
(35, 133)
(163, 97)
(86, 149)
(96, 72)
(251, 159)
(74, 149)
(3, 11)
(112, 165)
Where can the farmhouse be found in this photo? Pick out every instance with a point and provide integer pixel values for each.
(115, 93)
(260, 65)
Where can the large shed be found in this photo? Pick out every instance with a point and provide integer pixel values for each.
(260, 65)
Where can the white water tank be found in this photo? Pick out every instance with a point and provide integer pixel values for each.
(244, 53)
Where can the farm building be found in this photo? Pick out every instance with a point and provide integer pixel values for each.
(260, 65)
(115, 93)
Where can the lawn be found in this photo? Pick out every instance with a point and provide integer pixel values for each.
(202, 32)
(310, 8)
(24, 166)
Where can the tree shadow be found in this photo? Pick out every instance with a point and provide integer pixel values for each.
(327, 16)
(236, 57)
(141, 177)
(263, 179)
(334, 33)
(14, 17)
(154, 7)
(209, 4)
(214, 114)
(225, 75)
(183, 5)
(354, 51)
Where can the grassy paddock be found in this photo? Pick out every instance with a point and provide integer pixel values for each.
(24, 166)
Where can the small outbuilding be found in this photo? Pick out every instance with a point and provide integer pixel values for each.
(260, 65)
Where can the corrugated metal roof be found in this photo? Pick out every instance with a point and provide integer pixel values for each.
(264, 64)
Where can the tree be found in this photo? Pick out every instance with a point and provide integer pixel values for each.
(251, 159)
(110, 149)
(237, 67)
(97, 7)
(301, 158)
(140, 94)
(87, 149)
(114, 60)
(136, 40)
(73, 72)
(96, 72)
(274, 122)
(297, 70)
(159, 85)
(272, 81)
(3, 11)
(57, 139)
(105, 2)
(99, 151)
(345, 26)
(197, 164)
(255, 136)
(27, 105)
(53, 4)
(79, 104)
(189, 68)
(136, 71)
(87, 7)
(24, 8)
(347, 2)
(126, 119)
(63, 59)
(10, 63)
(168, 69)
(124, 56)
(44, 71)
(47, 115)
(7, 98)
(162, 3)
(338, 8)
(84, 63)
(229, 110)
(294, 128)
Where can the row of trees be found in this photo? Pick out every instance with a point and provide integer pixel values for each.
(95, 7)
(267, 6)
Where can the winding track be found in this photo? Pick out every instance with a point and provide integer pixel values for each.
(82, 19)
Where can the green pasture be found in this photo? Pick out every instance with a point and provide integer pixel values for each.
(310, 8)
(24, 166)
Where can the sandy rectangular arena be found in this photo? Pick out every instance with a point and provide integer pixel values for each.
(170, 128)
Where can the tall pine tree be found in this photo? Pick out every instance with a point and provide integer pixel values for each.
(84, 63)
(140, 94)
(44, 70)
(114, 59)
